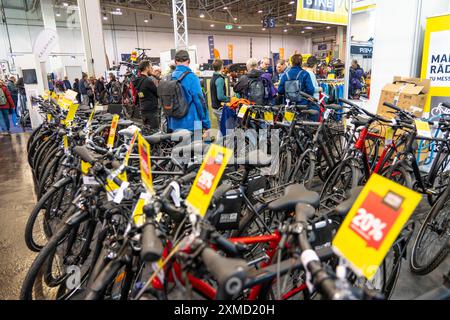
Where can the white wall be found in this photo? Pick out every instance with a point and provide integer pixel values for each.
(363, 25)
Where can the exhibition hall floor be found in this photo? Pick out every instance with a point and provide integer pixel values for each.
(17, 199)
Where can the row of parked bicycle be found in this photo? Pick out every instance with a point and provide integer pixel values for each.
(101, 233)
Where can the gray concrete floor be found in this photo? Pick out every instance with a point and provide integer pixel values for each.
(17, 199)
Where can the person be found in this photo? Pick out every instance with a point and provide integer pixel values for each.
(6, 105)
(91, 91)
(12, 88)
(76, 88)
(197, 117)
(67, 85)
(156, 75)
(114, 89)
(356, 79)
(256, 85)
(22, 101)
(266, 66)
(100, 90)
(217, 86)
(147, 97)
(84, 86)
(311, 67)
(297, 78)
(280, 69)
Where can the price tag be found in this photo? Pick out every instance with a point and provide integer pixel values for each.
(389, 136)
(49, 117)
(46, 95)
(70, 95)
(112, 131)
(268, 116)
(423, 128)
(373, 224)
(326, 114)
(126, 160)
(254, 115)
(66, 144)
(91, 117)
(289, 117)
(145, 164)
(243, 111)
(85, 167)
(133, 56)
(207, 179)
(138, 212)
(71, 114)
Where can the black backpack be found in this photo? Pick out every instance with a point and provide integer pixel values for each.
(293, 88)
(171, 97)
(258, 90)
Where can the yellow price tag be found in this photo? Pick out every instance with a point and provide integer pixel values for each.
(123, 175)
(374, 222)
(46, 95)
(423, 128)
(71, 114)
(254, 115)
(91, 117)
(138, 212)
(112, 131)
(389, 136)
(85, 167)
(208, 178)
(145, 164)
(268, 116)
(289, 117)
(49, 117)
(66, 144)
(243, 111)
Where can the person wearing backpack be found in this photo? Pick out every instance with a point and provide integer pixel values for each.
(181, 98)
(6, 106)
(256, 85)
(296, 80)
(115, 89)
(147, 96)
(84, 87)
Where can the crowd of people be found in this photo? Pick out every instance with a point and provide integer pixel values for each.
(12, 97)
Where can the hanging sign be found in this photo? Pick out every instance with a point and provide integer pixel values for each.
(230, 51)
(145, 164)
(281, 53)
(436, 62)
(374, 222)
(133, 56)
(44, 44)
(207, 179)
(112, 131)
(211, 46)
(324, 11)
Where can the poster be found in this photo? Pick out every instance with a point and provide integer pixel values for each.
(436, 63)
(325, 11)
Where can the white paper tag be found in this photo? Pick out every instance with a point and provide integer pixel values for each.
(87, 180)
(176, 193)
(120, 192)
(307, 257)
(327, 113)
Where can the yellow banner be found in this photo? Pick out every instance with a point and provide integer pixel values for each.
(112, 131)
(373, 224)
(230, 51)
(281, 53)
(208, 178)
(436, 63)
(324, 11)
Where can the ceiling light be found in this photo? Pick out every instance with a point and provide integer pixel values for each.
(239, 27)
(235, 19)
(146, 20)
(263, 29)
(260, 11)
(303, 31)
(290, 15)
(118, 9)
(309, 28)
(328, 27)
(287, 23)
(65, 4)
(105, 17)
(58, 14)
(202, 15)
(212, 25)
(285, 30)
(225, 8)
(292, 2)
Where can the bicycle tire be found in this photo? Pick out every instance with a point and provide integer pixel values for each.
(415, 267)
(398, 170)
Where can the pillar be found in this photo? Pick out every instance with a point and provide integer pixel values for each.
(48, 16)
(92, 33)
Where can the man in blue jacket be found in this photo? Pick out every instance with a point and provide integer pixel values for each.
(305, 81)
(197, 117)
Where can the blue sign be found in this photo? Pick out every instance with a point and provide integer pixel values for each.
(211, 46)
(269, 22)
(362, 50)
(322, 5)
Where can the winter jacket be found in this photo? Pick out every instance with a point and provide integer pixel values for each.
(305, 80)
(242, 85)
(147, 92)
(84, 86)
(197, 117)
(9, 100)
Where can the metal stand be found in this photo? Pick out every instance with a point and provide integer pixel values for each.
(180, 24)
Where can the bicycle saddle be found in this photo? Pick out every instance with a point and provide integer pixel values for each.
(360, 122)
(256, 159)
(177, 136)
(293, 195)
(343, 208)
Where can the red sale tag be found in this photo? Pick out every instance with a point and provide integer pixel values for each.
(210, 171)
(374, 219)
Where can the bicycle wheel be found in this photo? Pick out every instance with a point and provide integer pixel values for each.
(341, 180)
(40, 223)
(430, 247)
(398, 174)
(305, 169)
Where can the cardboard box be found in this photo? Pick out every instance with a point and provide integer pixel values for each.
(410, 94)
